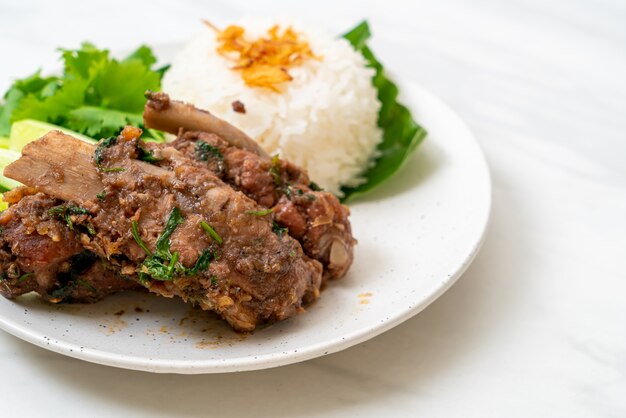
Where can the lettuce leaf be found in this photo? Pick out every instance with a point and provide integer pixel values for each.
(401, 134)
(97, 95)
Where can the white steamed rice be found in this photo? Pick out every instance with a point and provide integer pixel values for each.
(323, 120)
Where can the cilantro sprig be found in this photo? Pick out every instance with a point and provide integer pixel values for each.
(163, 264)
(66, 212)
(96, 95)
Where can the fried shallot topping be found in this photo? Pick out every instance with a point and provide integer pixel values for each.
(263, 62)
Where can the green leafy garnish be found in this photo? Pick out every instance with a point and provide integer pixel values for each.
(99, 155)
(103, 145)
(93, 121)
(96, 95)
(143, 54)
(202, 263)
(90, 229)
(401, 134)
(275, 170)
(211, 232)
(261, 212)
(163, 264)
(134, 228)
(154, 265)
(172, 264)
(155, 268)
(36, 85)
(279, 230)
(66, 212)
(204, 151)
(163, 242)
(146, 155)
(313, 186)
(25, 276)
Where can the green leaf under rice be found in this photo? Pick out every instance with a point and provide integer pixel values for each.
(401, 134)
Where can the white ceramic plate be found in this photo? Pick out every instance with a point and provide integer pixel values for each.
(417, 234)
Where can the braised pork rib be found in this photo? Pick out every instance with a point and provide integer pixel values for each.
(209, 218)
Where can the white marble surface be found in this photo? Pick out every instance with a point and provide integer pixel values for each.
(537, 325)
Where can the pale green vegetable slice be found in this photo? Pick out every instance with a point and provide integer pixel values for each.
(4, 142)
(28, 130)
(6, 158)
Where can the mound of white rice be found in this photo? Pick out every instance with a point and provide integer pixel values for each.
(323, 120)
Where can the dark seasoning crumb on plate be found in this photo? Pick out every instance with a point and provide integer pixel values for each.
(239, 107)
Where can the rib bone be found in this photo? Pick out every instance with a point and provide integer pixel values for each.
(47, 166)
(171, 115)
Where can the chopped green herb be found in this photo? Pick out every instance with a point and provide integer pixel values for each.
(261, 212)
(288, 190)
(213, 281)
(163, 243)
(99, 155)
(275, 170)
(146, 155)
(202, 263)
(155, 268)
(70, 209)
(172, 264)
(101, 195)
(211, 232)
(154, 265)
(103, 145)
(204, 151)
(279, 230)
(66, 213)
(137, 237)
(313, 186)
(24, 277)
